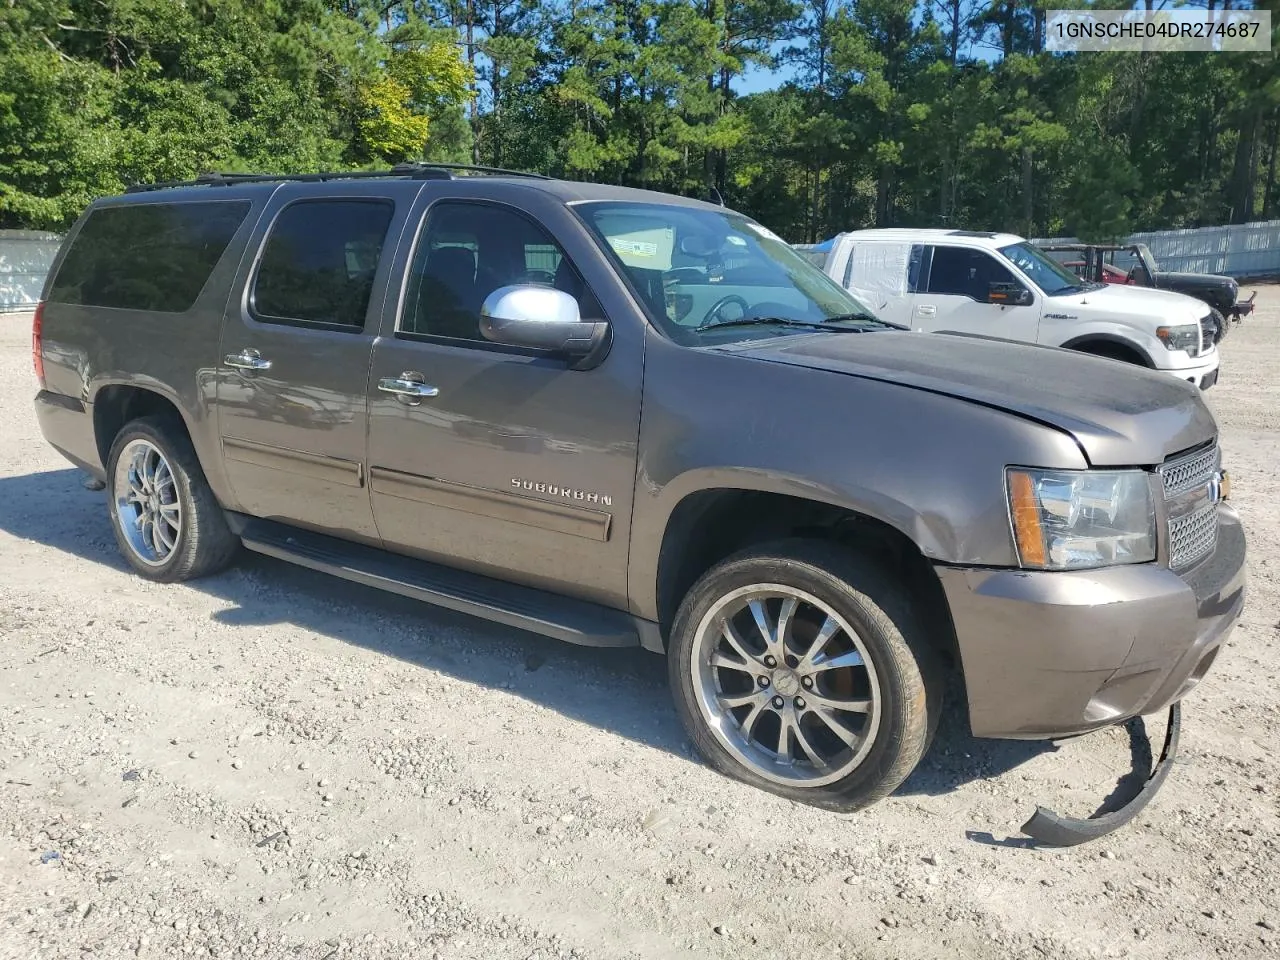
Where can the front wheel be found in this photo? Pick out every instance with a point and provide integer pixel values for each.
(1221, 323)
(799, 668)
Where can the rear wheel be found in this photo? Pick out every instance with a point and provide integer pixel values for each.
(799, 668)
(167, 522)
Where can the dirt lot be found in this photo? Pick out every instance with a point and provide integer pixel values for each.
(272, 763)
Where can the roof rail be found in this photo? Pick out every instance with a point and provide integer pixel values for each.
(412, 171)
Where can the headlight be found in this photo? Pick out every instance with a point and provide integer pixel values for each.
(1185, 336)
(1076, 519)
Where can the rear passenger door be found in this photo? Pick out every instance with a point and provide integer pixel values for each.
(953, 287)
(294, 356)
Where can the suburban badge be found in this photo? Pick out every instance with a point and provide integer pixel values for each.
(567, 493)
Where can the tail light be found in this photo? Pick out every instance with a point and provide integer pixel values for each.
(37, 346)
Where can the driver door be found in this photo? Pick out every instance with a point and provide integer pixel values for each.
(952, 296)
(506, 461)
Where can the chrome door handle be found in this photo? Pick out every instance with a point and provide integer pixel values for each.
(403, 387)
(246, 360)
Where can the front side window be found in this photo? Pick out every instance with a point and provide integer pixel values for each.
(695, 269)
(147, 256)
(966, 272)
(1045, 272)
(320, 260)
(468, 250)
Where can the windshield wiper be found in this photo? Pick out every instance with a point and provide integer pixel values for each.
(863, 318)
(783, 321)
(811, 324)
(1084, 286)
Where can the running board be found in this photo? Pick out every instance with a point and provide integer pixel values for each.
(538, 611)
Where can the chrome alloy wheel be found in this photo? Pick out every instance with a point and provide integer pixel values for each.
(146, 502)
(786, 685)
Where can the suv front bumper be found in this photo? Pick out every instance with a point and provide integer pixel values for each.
(1203, 374)
(1053, 654)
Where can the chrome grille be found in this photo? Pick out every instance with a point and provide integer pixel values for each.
(1193, 536)
(1193, 517)
(1190, 472)
(1208, 327)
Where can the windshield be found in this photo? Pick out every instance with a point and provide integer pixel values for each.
(695, 270)
(1045, 272)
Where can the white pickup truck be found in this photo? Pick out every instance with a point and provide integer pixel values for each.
(1000, 285)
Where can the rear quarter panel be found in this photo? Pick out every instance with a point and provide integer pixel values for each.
(89, 348)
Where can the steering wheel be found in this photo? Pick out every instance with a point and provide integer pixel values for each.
(713, 315)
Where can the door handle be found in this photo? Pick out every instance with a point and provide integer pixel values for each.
(406, 386)
(246, 359)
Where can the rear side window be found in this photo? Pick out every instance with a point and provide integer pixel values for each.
(320, 261)
(147, 256)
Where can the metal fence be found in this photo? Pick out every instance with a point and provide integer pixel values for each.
(25, 258)
(1243, 251)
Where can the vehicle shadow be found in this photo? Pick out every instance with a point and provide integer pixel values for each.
(621, 691)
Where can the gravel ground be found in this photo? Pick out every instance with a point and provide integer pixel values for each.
(272, 763)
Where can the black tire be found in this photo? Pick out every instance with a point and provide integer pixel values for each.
(1114, 351)
(909, 674)
(1222, 322)
(204, 544)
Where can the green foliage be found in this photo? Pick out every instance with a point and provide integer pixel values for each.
(95, 94)
(890, 115)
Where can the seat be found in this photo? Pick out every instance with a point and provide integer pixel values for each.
(567, 279)
(446, 300)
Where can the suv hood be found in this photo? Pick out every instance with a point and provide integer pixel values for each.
(1128, 304)
(1177, 280)
(1121, 415)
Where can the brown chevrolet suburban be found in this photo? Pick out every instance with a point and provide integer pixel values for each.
(625, 418)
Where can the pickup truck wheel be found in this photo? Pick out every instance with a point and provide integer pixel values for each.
(1222, 322)
(799, 668)
(166, 520)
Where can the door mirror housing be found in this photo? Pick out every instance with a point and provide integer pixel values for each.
(1009, 295)
(540, 318)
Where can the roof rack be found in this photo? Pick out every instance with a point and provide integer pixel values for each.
(411, 171)
(1067, 247)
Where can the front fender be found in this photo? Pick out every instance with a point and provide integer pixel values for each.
(1133, 339)
(928, 465)
(931, 538)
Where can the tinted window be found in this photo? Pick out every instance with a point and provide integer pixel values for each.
(965, 272)
(320, 260)
(467, 251)
(147, 256)
(913, 267)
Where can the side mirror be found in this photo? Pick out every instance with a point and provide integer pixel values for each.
(1009, 295)
(542, 318)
